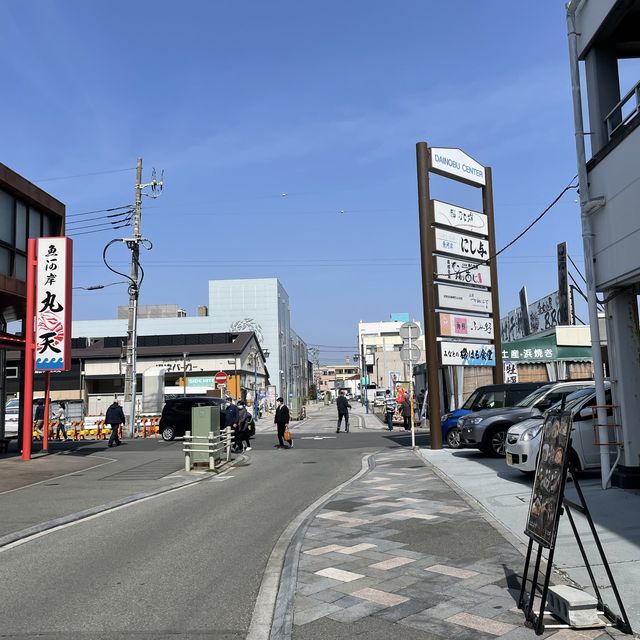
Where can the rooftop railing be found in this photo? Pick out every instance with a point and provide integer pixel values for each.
(625, 111)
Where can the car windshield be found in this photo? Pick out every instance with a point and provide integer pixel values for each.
(532, 397)
(472, 399)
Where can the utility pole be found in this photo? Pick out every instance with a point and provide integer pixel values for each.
(134, 290)
(132, 324)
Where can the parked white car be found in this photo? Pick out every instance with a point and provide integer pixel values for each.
(523, 439)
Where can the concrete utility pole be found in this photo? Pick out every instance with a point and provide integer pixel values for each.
(132, 324)
(134, 290)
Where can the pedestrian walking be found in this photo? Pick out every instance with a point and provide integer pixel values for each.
(389, 408)
(243, 433)
(61, 417)
(281, 421)
(406, 413)
(231, 415)
(39, 418)
(343, 411)
(114, 417)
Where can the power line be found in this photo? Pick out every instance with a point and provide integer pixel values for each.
(86, 213)
(84, 175)
(522, 233)
(109, 228)
(105, 218)
(575, 266)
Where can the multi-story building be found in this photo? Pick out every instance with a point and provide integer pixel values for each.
(381, 343)
(332, 377)
(258, 305)
(25, 212)
(603, 36)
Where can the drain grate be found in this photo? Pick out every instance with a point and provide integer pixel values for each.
(153, 470)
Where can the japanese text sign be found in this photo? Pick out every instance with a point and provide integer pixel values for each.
(468, 354)
(459, 218)
(462, 271)
(53, 304)
(462, 245)
(457, 325)
(465, 299)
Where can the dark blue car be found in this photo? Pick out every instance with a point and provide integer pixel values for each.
(491, 396)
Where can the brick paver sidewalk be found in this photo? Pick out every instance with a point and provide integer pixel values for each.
(399, 554)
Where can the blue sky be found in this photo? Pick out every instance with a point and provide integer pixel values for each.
(241, 102)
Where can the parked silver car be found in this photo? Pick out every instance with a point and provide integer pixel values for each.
(487, 430)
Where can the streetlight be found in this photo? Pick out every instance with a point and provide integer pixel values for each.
(254, 354)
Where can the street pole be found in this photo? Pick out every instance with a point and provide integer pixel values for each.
(363, 367)
(587, 207)
(413, 425)
(132, 324)
(255, 386)
(184, 374)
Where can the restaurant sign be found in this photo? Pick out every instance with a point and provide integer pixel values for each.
(464, 299)
(468, 354)
(460, 244)
(53, 304)
(459, 218)
(456, 325)
(462, 271)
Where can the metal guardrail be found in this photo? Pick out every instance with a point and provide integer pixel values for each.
(616, 119)
(211, 444)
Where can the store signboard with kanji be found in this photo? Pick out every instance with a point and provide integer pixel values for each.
(456, 325)
(462, 272)
(461, 244)
(463, 299)
(459, 218)
(510, 371)
(53, 304)
(468, 354)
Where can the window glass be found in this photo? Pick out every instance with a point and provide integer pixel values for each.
(21, 226)
(6, 217)
(47, 225)
(21, 267)
(34, 223)
(5, 261)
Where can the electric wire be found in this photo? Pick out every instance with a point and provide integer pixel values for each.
(84, 175)
(537, 219)
(109, 228)
(117, 218)
(575, 266)
(86, 213)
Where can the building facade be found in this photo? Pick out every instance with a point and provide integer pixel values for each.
(332, 377)
(381, 343)
(603, 35)
(25, 212)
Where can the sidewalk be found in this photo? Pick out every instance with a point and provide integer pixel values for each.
(85, 476)
(505, 493)
(399, 554)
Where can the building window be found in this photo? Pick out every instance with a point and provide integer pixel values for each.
(7, 222)
(21, 226)
(5, 261)
(35, 230)
(20, 270)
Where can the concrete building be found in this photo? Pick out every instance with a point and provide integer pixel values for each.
(381, 343)
(25, 212)
(97, 373)
(603, 35)
(256, 305)
(153, 311)
(332, 377)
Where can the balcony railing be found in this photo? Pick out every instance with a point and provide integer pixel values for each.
(617, 118)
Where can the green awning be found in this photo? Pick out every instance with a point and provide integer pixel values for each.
(543, 348)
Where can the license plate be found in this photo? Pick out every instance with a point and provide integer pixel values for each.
(509, 458)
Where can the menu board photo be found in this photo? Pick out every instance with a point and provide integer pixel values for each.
(551, 471)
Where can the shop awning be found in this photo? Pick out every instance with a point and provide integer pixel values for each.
(543, 348)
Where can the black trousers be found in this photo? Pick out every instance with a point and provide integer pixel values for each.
(407, 422)
(114, 434)
(346, 421)
(281, 429)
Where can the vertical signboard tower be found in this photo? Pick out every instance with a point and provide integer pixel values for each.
(459, 273)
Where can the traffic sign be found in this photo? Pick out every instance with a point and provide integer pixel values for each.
(409, 330)
(221, 378)
(410, 354)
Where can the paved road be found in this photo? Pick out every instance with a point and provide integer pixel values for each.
(185, 564)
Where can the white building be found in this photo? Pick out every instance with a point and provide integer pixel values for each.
(254, 304)
(381, 343)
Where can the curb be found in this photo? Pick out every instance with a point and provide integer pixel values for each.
(43, 527)
(273, 612)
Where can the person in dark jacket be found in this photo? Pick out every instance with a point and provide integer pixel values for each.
(39, 417)
(281, 421)
(114, 418)
(343, 411)
(406, 413)
(243, 433)
(231, 414)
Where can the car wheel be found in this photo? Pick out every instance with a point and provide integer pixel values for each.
(497, 442)
(453, 438)
(168, 433)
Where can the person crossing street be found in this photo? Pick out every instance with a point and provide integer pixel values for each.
(389, 408)
(343, 411)
(114, 418)
(281, 421)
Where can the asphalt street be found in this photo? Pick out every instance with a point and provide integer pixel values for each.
(184, 564)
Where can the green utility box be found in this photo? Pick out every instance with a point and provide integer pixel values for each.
(204, 420)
